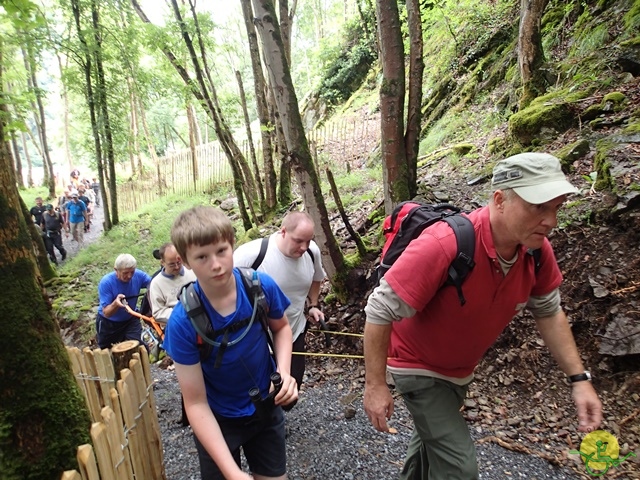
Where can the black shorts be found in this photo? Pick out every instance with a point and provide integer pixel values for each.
(263, 445)
(109, 332)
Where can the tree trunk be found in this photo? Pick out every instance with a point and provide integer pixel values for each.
(205, 96)
(296, 141)
(285, 28)
(41, 124)
(266, 126)
(87, 66)
(65, 107)
(252, 150)
(28, 159)
(530, 52)
(133, 132)
(150, 146)
(192, 144)
(101, 97)
(414, 104)
(44, 417)
(18, 161)
(394, 157)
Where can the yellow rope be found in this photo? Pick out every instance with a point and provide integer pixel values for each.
(338, 333)
(312, 354)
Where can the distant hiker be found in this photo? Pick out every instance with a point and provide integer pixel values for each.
(52, 225)
(285, 257)
(95, 186)
(166, 285)
(76, 218)
(226, 393)
(113, 323)
(84, 198)
(37, 211)
(432, 344)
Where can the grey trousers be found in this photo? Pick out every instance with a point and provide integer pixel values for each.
(440, 447)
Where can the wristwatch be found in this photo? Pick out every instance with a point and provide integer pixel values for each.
(580, 377)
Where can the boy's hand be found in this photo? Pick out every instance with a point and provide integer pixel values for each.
(288, 392)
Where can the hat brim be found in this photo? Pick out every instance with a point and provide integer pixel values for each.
(537, 194)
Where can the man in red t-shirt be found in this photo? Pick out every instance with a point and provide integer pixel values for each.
(431, 343)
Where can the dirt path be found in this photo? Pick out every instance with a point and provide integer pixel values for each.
(90, 237)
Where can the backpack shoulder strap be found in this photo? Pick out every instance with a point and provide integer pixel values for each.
(313, 260)
(463, 263)
(253, 287)
(198, 316)
(263, 250)
(537, 257)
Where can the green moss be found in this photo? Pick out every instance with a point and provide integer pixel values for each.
(496, 144)
(463, 148)
(632, 17)
(602, 166)
(570, 153)
(528, 123)
(631, 43)
(631, 129)
(615, 97)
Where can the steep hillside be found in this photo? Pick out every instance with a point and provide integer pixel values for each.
(590, 118)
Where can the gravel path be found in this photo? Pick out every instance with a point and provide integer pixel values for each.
(72, 247)
(323, 444)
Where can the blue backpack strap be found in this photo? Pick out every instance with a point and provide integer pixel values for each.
(463, 263)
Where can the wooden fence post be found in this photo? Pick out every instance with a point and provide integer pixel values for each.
(129, 402)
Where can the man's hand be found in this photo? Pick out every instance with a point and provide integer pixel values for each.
(378, 404)
(588, 405)
(119, 300)
(288, 392)
(315, 314)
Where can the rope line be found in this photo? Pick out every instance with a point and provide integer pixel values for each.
(337, 333)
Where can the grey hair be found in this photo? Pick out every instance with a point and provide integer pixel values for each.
(125, 260)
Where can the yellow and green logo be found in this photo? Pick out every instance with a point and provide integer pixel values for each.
(600, 451)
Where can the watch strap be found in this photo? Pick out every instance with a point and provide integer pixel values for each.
(580, 377)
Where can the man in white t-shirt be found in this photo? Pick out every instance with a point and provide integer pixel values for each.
(293, 260)
(166, 285)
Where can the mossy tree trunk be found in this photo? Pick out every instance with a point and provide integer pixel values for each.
(43, 417)
(392, 91)
(296, 141)
(414, 101)
(530, 52)
(266, 127)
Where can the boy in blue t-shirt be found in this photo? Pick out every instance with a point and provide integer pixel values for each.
(216, 389)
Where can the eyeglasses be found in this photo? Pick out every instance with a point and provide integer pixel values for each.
(174, 264)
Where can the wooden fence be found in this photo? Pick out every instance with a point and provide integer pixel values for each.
(343, 144)
(125, 431)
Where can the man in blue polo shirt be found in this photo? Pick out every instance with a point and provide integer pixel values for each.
(113, 323)
(76, 217)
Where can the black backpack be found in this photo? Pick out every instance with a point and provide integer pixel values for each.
(409, 219)
(202, 324)
(263, 250)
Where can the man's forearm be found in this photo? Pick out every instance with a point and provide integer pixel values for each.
(376, 344)
(557, 336)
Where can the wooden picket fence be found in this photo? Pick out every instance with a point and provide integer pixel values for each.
(125, 431)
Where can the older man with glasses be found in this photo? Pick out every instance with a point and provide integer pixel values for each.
(113, 323)
(166, 285)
